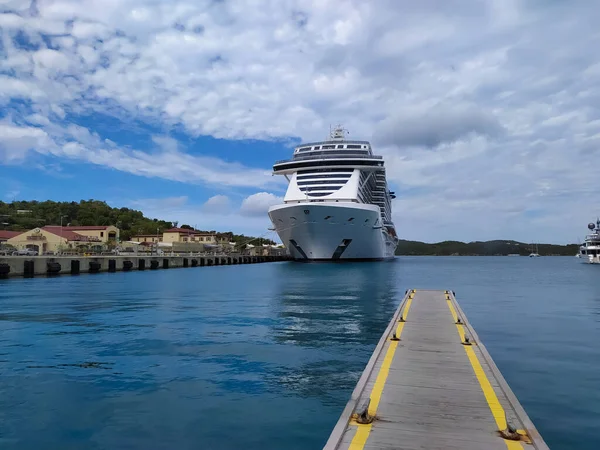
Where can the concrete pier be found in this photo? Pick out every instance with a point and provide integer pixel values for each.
(27, 266)
(431, 384)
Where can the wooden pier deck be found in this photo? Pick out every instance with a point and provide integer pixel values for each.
(435, 388)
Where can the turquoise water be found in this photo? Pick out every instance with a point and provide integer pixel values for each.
(265, 356)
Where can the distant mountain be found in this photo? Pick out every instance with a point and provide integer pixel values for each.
(479, 248)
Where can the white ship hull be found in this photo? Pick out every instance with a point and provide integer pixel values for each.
(333, 231)
(589, 259)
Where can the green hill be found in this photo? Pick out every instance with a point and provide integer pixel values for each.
(482, 248)
(25, 215)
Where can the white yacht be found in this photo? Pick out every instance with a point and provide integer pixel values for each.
(589, 251)
(337, 205)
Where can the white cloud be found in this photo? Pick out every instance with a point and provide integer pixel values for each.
(217, 204)
(51, 59)
(462, 99)
(17, 141)
(437, 125)
(80, 144)
(259, 203)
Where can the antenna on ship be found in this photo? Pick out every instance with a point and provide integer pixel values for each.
(338, 133)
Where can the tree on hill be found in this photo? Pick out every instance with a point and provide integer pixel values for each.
(25, 215)
(478, 248)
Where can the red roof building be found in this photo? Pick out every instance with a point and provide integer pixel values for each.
(180, 230)
(67, 233)
(86, 227)
(5, 235)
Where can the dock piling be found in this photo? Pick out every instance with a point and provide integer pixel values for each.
(4, 270)
(28, 268)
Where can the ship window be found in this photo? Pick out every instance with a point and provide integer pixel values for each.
(354, 146)
(307, 172)
(318, 147)
(583, 252)
(308, 183)
(344, 176)
(320, 188)
(340, 146)
(335, 152)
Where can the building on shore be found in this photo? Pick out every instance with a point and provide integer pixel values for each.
(104, 234)
(177, 235)
(185, 239)
(147, 238)
(58, 239)
(186, 235)
(265, 250)
(5, 235)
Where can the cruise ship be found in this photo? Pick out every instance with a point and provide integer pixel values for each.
(337, 206)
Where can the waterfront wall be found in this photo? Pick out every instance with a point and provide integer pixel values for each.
(23, 266)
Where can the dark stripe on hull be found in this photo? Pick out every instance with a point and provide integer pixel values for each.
(349, 260)
(298, 249)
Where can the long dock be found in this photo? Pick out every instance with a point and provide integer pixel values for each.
(19, 266)
(431, 384)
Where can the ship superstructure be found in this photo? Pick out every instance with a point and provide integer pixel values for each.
(589, 251)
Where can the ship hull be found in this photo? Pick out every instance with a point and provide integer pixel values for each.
(589, 259)
(333, 232)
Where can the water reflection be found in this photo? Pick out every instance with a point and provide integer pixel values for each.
(320, 303)
(337, 314)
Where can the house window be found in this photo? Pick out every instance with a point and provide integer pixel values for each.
(102, 234)
(184, 239)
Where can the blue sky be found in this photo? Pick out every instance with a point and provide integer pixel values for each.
(486, 112)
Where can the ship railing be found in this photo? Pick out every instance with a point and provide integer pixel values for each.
(319, 157)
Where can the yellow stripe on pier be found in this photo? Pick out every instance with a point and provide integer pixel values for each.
(429, 388)
(362, 433)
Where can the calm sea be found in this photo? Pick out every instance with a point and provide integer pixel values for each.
(265, 356)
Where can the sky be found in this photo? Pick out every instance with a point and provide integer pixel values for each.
(487, 112)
